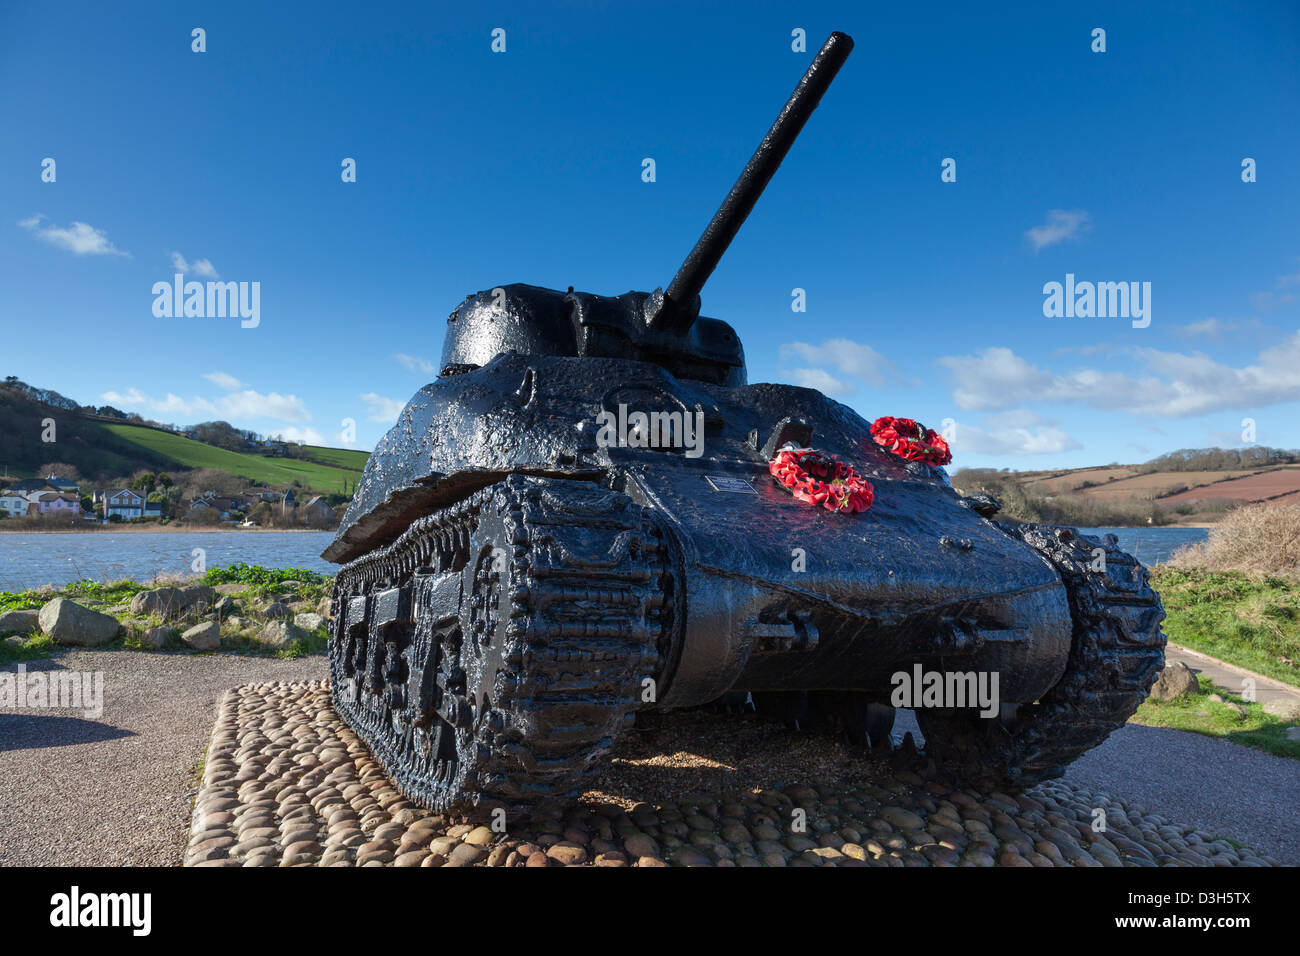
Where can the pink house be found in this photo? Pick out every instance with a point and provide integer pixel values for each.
(51, 502)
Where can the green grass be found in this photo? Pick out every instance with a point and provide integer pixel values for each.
(1251, 620)
(1201, 715)
(36, 647)
(273, 471)
(338, 457)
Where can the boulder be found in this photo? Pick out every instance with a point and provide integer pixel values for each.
(226, 605)
(14, 642)
(1175, 681)
(173, 602)
(203, 637)
(278, 634)
(324, 609)
(1293, 733)
(275, 611)
(19, 622)
(156, 637)
(309, 621)
(1283, 708)
(163, 602)
(72, 625)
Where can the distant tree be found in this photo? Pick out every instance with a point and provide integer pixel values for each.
(145, 481)
(60, 469)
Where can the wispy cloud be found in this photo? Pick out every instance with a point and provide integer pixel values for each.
(81, 239)
(381, 409)
(199, 267)
(852, 362)
(224, 380)
(1062, 224)
(307, 436)
(242, 405)
(1176, 384)
(1017, 432)
(413, 363)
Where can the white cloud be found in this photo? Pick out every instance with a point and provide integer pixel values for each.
(224, 381)
(1179, 385)
(852, 361)
(199, 267)
(382, 409)
(1016, 432)
(243, 405)
(413, 363)
(307, 436)
(1062, 224)
(79, 238)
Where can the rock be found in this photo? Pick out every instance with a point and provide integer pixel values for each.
(203, 637)
(639, 845)
(226, 605)
(72, 625)
(164, 602)
(903, 819)
(479, 836)
(19, 622)
(1292, 733)
(156, 637)
(279, 634)
(1215, 698)
(197, 596)
(467, 854)
(1176, 680)
(323, 608)
(567, 854)
(309, 621)
(1283, 708)
(275, 611)
(1235, 707)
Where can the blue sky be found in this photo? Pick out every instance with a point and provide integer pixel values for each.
(476, 169)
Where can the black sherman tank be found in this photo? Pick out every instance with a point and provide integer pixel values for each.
(517, 586)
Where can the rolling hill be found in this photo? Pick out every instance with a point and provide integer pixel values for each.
(181, 451)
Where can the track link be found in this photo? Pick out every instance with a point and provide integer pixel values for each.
(1115, 655)
(495, 650)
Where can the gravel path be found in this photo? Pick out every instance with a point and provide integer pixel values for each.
(117, 790)
(1224, 788)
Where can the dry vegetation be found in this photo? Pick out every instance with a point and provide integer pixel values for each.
(1257, 538)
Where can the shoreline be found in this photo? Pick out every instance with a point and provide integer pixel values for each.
(183, 529)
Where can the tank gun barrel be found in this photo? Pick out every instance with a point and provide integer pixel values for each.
(676, 309)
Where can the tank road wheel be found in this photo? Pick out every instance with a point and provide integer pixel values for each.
(1116, 653)
(493, 652)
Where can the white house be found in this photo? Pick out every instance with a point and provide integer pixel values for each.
(125, 503)
(13, 504)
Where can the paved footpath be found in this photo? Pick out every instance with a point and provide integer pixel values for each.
(1230, 676)
(116, 790)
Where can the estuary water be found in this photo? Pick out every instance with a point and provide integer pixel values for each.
(30, 560)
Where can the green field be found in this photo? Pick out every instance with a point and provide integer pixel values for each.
(272, 471)
(338, 457)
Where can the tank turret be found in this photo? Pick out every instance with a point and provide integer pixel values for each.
(664, 326)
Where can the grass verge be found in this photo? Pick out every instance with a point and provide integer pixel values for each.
(1201, 715)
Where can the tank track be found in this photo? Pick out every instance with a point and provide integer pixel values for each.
(496, 649)
(1115, 656)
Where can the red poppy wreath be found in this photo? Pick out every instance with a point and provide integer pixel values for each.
(910, 440)
(812, 477)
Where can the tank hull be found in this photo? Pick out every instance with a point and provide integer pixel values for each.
(771, 593)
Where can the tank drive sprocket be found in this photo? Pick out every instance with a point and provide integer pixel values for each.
(1116, 652)
(495, 650)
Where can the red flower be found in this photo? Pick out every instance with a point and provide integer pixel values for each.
(812, 477)
(911, 441)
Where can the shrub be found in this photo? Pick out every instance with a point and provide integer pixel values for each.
(1259, 537)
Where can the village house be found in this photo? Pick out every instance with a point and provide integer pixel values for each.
(52, 502)
(318, 509)
(13, 504)
(128, 505)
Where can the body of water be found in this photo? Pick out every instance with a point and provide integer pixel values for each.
(30, 560)
(1152, 545)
